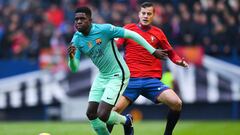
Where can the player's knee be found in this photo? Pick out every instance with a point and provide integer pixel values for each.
(102, 115)
(91, 115)
(117, 109)
(177, 105)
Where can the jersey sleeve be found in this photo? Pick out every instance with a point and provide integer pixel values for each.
(164, 44)
(121, 41)
(73, 64)
(113, 31)
(139, 39)
(75, 43)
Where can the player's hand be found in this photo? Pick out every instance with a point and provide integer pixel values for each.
(160, 54)
(71, 51)
(183, 63)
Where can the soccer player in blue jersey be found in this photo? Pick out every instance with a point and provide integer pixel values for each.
(96, 41)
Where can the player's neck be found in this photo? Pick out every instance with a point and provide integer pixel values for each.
(144, 27)
(85, 33)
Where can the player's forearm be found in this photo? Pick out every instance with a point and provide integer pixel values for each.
(73, 64)
(139, 39)
(173, 56)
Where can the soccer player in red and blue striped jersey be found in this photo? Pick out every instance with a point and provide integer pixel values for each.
(146, 70)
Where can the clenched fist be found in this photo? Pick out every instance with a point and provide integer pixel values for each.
(71, 51)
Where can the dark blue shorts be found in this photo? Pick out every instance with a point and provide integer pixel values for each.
(147, 87)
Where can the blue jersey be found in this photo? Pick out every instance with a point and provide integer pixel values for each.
(100, 47)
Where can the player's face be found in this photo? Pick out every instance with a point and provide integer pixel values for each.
(82, 22)
(146, 15)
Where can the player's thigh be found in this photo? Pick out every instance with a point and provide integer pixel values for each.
(122, 104)
(133, 90)
(114, 89)
(153, 87)
(170, 98)
(97, 89)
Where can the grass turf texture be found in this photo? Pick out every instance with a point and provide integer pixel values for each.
(141, 128)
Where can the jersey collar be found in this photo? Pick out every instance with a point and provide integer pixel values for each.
(144, 27)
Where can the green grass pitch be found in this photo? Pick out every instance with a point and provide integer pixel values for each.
(141, 128)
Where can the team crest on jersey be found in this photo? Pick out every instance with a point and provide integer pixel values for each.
(153, 39)
(98, 41)
(89, 44)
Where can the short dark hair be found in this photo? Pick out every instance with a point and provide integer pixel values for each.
(148, 4)
(85, 10)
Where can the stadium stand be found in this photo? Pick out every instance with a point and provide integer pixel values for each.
(34, 35)
(28, 27)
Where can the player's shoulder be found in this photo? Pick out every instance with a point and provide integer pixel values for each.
(77, 34)
(100, 25)
(105, 27)
(156, 29)
(130, 26)
(76, 38)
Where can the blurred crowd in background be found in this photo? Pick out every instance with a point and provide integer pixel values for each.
(29, 26)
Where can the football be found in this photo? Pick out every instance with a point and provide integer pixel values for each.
(44, 134)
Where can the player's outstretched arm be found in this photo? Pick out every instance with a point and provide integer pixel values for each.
(182, 63)
(160, 54)
(73, 63)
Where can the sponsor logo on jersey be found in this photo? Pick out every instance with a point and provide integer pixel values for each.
(116, 75)
(153, 39)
